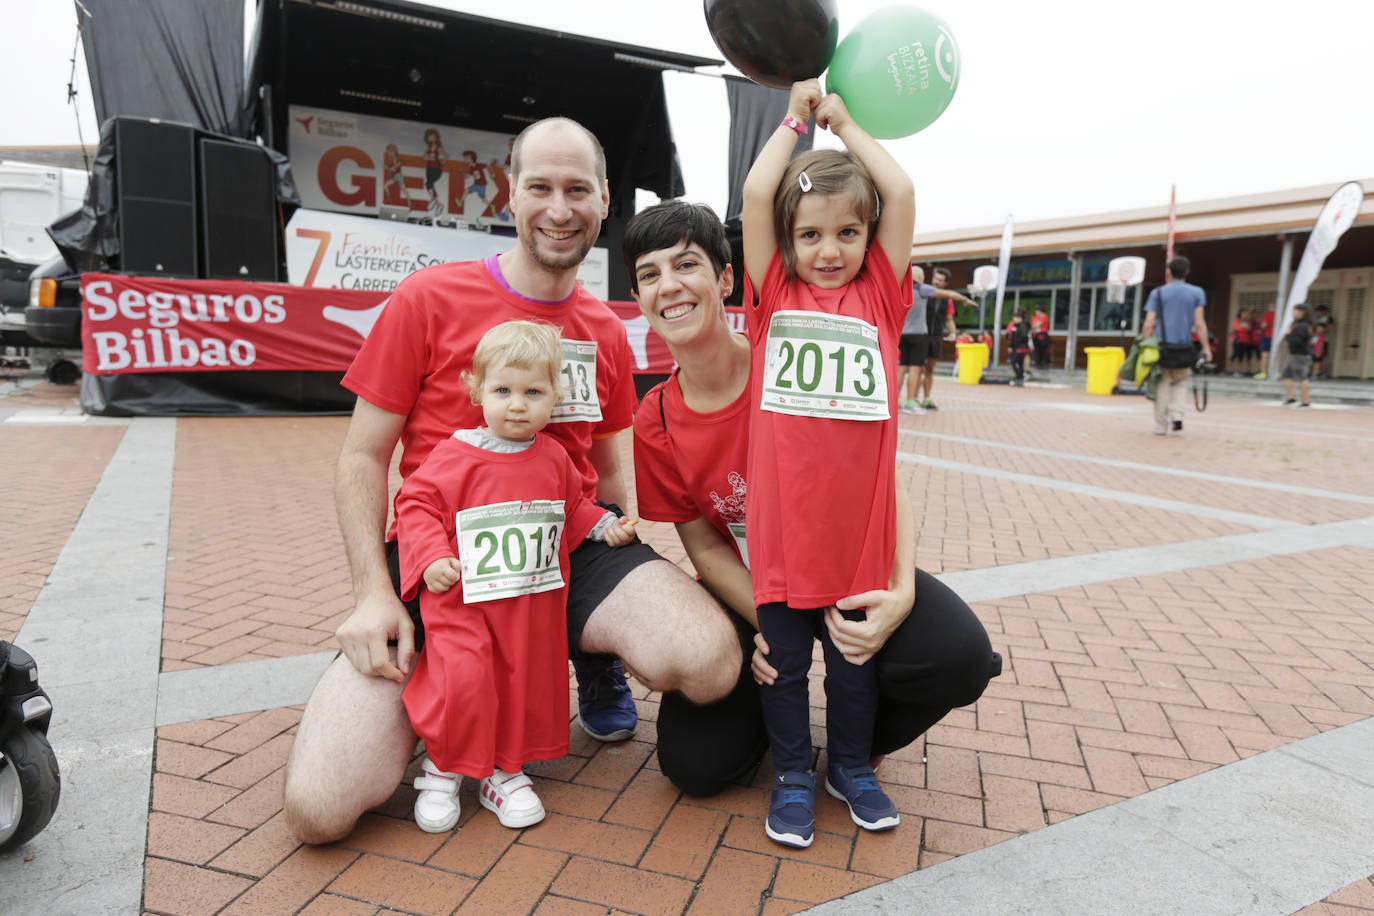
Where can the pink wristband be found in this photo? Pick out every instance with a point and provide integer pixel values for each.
(794, 124)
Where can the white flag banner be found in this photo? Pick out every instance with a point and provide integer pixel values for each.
(1339, 212)
(1003, 262)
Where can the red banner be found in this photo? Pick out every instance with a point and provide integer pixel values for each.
(144, 324)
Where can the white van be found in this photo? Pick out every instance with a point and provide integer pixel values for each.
(31, 197)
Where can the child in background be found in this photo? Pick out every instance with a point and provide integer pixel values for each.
(833, 285)
(497, 509)
(1018, 344)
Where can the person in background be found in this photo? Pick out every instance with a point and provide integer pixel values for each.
(1242, 346)
(939, 315)
(1018, 344)
(1323, 338)
(915, 345)
(1040, 336)
(1178, 309)
(1299, 364)
(1266, 340)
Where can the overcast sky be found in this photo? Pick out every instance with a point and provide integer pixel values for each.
(1064, 107)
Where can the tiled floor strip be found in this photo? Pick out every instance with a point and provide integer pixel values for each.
(1083, 489)
(1145, 468)
(102, 605)
(1266, 835)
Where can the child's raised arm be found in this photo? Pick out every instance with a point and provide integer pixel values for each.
(897, 219)
(761, 184)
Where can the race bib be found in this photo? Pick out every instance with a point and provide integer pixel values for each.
(737, 532)
(509, 549)
(820, 365)
(578, 376)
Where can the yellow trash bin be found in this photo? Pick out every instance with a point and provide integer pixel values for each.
(1103, 365)
(973, 359)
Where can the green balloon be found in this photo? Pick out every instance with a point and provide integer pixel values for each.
(896, 71)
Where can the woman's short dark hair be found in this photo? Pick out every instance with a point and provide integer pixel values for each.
(671, 223)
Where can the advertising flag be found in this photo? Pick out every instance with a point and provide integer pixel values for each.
(1169, 245)
(1336, 216)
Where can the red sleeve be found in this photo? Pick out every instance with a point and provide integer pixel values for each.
(662, 494)
(893, 293)
(618, 401)
(425, 517)
(580, 512)
(390, 364)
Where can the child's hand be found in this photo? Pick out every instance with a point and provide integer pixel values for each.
(621, 532)
(442, 574)
(832, 114)
(806, 95)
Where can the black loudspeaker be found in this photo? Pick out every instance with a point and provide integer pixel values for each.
(155, 181)
(238, 212)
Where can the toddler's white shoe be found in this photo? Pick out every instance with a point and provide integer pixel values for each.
(510, 796)
(436, 810)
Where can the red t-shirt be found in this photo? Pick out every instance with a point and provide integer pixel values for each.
(1242, 331)
(1040, 324)
(490, 687)
(822, 516)
(411, 363)
(691, 465)
(1267, 324)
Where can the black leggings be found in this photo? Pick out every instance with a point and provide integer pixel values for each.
(938, 659)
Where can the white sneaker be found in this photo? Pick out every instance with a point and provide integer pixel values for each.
(436, 810)
(510, 796)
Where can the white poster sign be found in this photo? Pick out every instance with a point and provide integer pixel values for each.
(356, 252)
(355, 163)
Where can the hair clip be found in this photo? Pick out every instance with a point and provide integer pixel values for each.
(805, 181)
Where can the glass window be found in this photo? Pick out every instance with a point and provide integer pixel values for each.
(1059, 314)
(1109, 315)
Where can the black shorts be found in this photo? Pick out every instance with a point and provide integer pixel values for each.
(597, 569)
(912, 349)
(432, 176)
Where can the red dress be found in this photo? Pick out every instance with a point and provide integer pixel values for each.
(822, 514)
(490, 687)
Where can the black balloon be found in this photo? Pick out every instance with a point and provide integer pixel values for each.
(775, 42)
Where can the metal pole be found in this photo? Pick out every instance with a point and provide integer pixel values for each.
(1285, 265)
(1075, 284)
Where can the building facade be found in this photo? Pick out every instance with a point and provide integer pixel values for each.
(1244, 251)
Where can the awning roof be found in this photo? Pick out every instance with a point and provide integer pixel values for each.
(419, 62)
(1271, 213)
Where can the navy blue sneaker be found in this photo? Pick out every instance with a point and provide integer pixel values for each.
(857, 787)
(791, 813)
(605, 706)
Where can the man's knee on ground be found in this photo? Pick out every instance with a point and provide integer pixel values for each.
(310, 821)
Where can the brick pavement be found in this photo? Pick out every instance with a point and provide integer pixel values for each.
(1110, 689)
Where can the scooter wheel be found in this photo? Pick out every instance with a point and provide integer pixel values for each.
(29, 786)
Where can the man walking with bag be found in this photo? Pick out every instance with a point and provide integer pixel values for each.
(1177, 310)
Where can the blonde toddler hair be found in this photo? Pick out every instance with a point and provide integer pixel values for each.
(518, 343)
